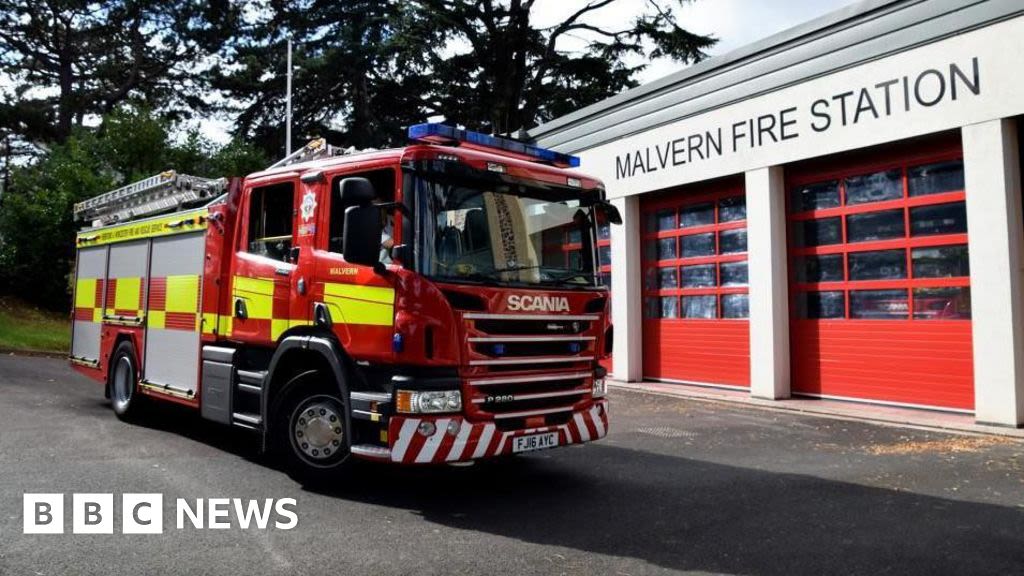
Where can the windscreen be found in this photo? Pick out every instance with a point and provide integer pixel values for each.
(501, 233)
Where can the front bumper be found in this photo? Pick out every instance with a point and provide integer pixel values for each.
(466, 440)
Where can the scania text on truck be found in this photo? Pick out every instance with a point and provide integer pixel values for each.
(436, 303)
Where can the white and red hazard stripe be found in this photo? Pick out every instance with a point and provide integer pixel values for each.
(473, 440)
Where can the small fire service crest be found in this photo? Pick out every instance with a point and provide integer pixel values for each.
(308, 206)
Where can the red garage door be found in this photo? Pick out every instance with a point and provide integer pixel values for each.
(880, 282)
(695, 323)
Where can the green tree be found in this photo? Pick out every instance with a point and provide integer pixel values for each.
(74, 60)
(36, 226)
(359, 78)
(369, 69)
(517, 75)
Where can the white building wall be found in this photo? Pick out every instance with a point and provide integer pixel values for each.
(627, 316)
(995, 233)
(769, 288)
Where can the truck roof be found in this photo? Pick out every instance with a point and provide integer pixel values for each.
(520, 163)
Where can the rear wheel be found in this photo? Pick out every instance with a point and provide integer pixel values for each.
(124, 377)
(310, 430)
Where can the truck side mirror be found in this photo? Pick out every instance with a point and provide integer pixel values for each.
(610, 212)
(361, 239)
(356, 191)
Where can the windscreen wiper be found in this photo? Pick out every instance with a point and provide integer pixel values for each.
(570, 275)
(512, 269)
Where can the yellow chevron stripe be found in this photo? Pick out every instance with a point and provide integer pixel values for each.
(379, 294)
(182, 293)
(127, 294)
(258, 294)
(349, 311)
(85, 293)
(156, 319)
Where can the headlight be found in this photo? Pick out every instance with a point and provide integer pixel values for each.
(428, 401)
(600, 388)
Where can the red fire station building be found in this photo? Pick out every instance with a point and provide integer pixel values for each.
(834, 211)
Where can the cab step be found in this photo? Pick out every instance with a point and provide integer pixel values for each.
(244, 420)
(371, 451)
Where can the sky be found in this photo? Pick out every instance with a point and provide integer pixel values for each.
(735, 23)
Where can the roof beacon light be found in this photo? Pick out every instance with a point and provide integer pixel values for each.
(443, 134)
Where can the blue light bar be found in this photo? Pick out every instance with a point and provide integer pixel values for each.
(443, 134)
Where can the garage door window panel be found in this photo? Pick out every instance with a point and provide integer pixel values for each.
(815, 196)
(940, 262)
(821, 268)
(818, 232)
(870, 226)
(699, 276)
(939, 219)
(936, 178)
(733, 274)
(949, 303)
(874, 187)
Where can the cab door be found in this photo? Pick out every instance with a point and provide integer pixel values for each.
(262, 269)
(358, 303)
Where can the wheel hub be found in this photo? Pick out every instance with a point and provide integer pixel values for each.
(317, 429)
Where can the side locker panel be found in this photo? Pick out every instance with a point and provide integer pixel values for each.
(90, 272)
(126, 281)
(173, 318)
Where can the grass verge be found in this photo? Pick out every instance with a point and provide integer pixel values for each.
(26, 327)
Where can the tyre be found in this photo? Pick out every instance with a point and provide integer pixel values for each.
(124, 378)
(310, 431)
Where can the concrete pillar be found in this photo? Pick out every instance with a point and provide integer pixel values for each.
(769, 289)
(994, 227)
(627, 283)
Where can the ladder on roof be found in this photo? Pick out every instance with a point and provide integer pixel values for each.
(169, 191)
(165, 192)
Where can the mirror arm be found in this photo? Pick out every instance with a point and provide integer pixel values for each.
(396, 206)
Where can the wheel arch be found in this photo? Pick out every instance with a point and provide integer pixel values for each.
(119, 337)
(293, 355)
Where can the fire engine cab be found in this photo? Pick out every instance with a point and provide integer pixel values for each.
(436, 303)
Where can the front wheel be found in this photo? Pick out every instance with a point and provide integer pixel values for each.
(124, 377)
(311, 434)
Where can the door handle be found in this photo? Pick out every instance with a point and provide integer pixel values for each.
(240, 309)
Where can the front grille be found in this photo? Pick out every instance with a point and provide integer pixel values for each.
(528, 366)
(514, 349)
(537, 327)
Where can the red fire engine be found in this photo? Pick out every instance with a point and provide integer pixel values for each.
(436, 303)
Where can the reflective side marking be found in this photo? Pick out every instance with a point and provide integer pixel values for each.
(378, 294)
(460, 442)
(182, 293)
(404, 438)
(129, 294)
(430, 446)
(258, 294)
(564, 428)
(484, 442)
(357, 304)
(581, 427)
(597, 422)
(504, 437)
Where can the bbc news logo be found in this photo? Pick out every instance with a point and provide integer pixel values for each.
(144, 513)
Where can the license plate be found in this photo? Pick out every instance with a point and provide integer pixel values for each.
(535, 442)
